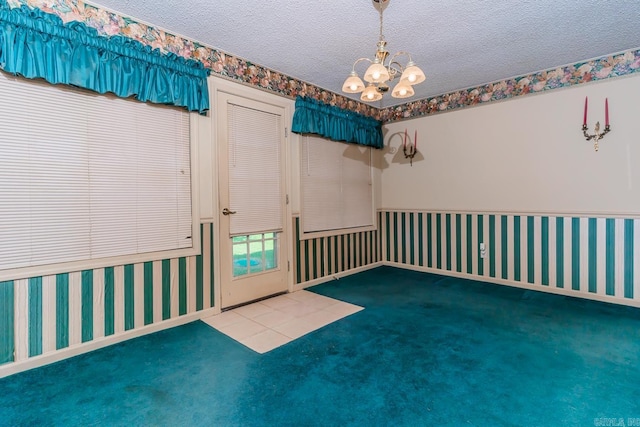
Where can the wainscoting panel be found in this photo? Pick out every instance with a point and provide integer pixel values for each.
(41, 315)
(587, 255)
(325, 256)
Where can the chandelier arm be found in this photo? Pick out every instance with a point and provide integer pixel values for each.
(394, 71)
(402, 52)
(353, 69)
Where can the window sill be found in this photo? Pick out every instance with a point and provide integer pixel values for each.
(337, 232)
(92, 264)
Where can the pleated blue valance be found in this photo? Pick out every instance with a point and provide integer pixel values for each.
(36, 44)
(335, 123)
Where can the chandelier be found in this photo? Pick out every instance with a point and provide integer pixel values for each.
(379, 72)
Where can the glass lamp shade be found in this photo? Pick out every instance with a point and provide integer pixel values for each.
(370, 94)
(376, 73)
(412, 75)
(402, 90)
(353, 84)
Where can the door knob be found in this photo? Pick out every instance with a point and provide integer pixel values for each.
(226, 211)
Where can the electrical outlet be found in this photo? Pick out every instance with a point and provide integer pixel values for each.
(483, 250)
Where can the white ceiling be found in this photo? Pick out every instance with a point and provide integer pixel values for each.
(458, 43)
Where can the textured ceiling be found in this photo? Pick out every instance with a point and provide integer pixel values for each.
(458, 43)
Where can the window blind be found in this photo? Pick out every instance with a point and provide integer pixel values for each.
(85, 176)
(336, 185)
(255, 170)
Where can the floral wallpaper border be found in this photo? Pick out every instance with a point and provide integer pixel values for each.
(616, 65)
(223, 64)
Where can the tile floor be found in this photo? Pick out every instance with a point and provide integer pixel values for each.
(268, 324)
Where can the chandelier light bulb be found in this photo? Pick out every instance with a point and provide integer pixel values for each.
(402, 90)
(412, 74)
(353, 84)
(371, 94)
(377, 73)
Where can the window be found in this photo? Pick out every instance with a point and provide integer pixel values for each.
(336, 185)
(255, 253)
(85, 176)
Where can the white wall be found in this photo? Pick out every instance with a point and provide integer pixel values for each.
(521, 155)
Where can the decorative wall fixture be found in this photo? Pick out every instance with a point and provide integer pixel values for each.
(597, 136)
(379, 73)
(409, 150)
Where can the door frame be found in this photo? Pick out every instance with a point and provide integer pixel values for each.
(217, 86)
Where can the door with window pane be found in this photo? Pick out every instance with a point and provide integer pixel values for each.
(252, 199)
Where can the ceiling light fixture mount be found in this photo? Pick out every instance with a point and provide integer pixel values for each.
(379, 73)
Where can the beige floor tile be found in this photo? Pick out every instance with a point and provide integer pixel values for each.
(253, 310)
(279, 302)
(265, 341)
(303, 296)
(294, 328)
(243, 329)
(273, 319)
(321, 318)
(321, 302)
(343, 308)
(298, 310)
(223, 319)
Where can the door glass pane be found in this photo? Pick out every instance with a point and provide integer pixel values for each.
(270, 254)
(254, 253)
(240, 259)
(255, 257)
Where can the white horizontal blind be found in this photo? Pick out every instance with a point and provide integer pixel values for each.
(336, 185)
(255, 191)
(85, 176)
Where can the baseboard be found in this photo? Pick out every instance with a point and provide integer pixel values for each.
(46, 359)
(336, 276)
(528, 286)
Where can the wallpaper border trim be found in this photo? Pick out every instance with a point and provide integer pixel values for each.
(241, 70)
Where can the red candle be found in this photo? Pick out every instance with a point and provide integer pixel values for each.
(606, 111)
(415, 141)
(586, 100)
(404, 144)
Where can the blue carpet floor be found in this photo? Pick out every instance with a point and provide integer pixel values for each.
(427, 350)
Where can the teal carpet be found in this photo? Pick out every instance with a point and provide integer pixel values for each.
(427, 350)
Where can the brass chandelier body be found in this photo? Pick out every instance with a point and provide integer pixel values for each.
(379, 73)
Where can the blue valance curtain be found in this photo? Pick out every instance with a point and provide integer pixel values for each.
(335, 123)
(38, 44)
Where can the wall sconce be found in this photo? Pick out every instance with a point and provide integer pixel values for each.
(409, 150)
(597, 136)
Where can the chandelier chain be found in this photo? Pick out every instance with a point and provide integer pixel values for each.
(381, 35)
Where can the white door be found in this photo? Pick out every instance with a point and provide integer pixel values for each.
(251, 138)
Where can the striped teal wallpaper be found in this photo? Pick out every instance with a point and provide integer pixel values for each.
(6, 322)
(324, 256)
(592, 255)
(40, 315)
